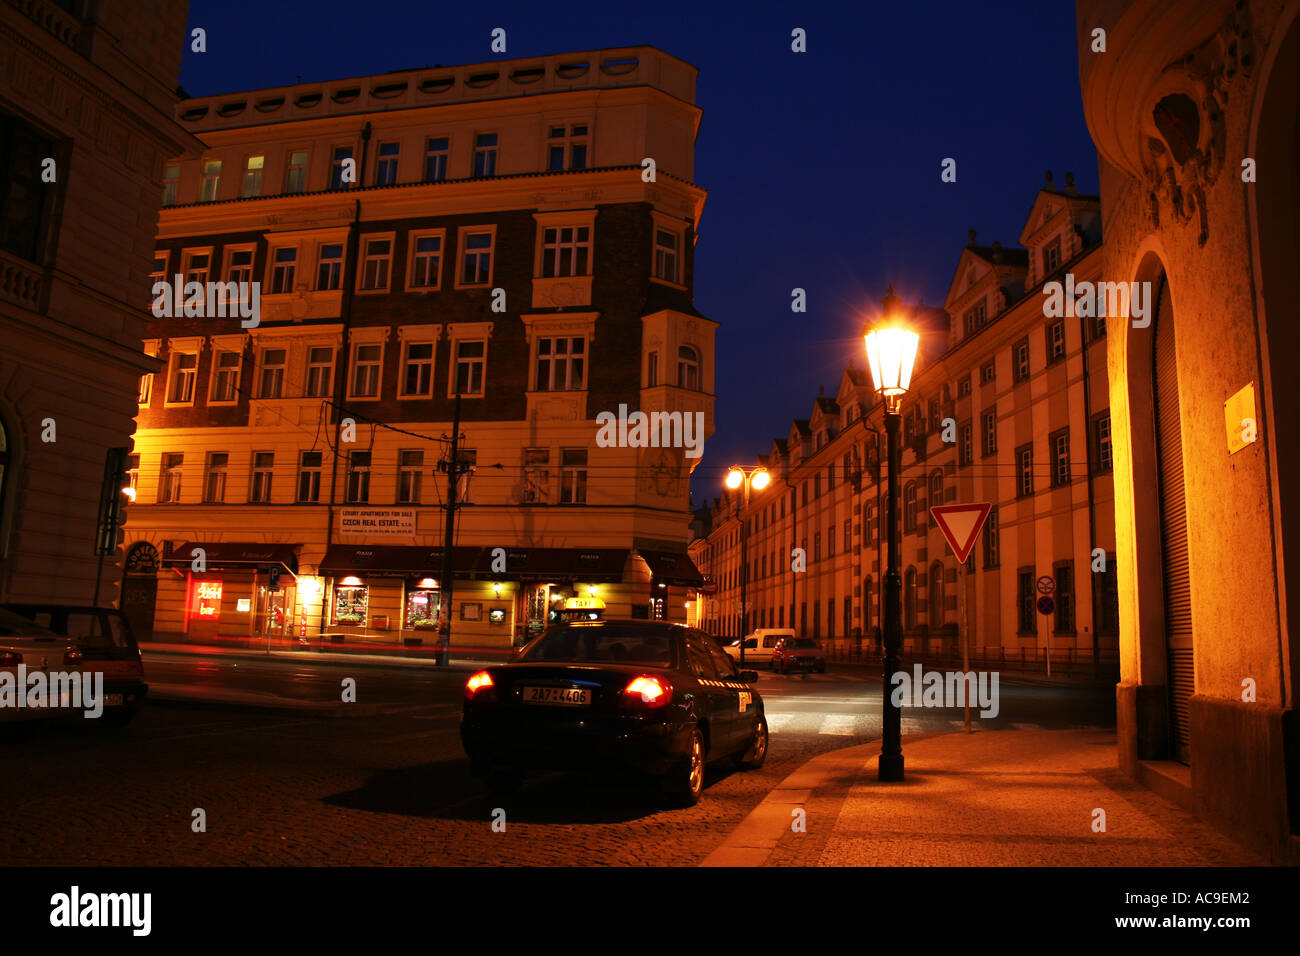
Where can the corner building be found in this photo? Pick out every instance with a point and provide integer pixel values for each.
(1008, 405)
(502, 241)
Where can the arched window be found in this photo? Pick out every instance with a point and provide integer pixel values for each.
(936, 488)
(909, 507)
(688, 368)
(909, 598)
(866, 605)
(936, 595)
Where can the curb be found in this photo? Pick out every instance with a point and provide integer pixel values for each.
(301, 657)
(254, 701)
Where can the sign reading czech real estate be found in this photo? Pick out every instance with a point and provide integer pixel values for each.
(383, 521)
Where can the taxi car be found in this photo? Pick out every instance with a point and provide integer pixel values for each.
(651, 696)
(106, 643)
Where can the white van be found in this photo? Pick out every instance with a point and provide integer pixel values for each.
(759, 644)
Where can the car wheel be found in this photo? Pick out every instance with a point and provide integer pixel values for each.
(686, 781)
(752, 757)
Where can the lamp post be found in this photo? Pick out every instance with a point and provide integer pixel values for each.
(758, 479)
(891, 352)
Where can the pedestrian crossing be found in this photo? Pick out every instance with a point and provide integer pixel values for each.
(810, 723)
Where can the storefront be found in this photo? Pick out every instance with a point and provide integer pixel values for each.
(668, 570)
(236, 589)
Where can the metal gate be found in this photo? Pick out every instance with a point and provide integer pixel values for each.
(1173, 529)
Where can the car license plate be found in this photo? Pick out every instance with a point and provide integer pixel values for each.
(112, 700)
(564, 696)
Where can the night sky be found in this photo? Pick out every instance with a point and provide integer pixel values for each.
(822, 168)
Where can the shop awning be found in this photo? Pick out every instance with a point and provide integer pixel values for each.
(673, 569)
(234, 555)
(521, 564)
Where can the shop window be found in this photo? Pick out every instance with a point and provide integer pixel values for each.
(351, 601)
(422, 607)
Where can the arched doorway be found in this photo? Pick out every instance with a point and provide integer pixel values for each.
(140, 588)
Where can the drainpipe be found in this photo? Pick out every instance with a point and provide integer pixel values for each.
(1092, 500)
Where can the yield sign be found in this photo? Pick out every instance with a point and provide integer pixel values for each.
(961, 525)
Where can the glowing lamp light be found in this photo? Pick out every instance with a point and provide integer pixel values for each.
(760, 479)
(735, 478)
(351, 581)
(496, 589)
(591, 590)
(891, 352)
(129, 492)
(428, 583)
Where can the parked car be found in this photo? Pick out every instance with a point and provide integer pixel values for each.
(107, 645)
(659, 698)
(38, 649)
(759, 644)
(798, 653)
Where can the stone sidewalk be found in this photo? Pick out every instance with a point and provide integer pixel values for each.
(991, 798)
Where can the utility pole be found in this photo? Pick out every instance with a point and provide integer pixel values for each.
(449, 535)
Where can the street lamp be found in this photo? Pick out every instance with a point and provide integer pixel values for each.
(891, 353)
(758, 479)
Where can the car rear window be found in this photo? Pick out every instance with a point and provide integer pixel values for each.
(15, 625)
(96, 630)
(611, 644)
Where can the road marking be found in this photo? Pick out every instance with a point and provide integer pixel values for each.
(843, 725)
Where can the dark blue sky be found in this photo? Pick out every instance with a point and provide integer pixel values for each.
(822, 168)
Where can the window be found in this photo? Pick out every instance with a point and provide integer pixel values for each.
(1026, 604)
(991, 539)
(169, 484)
(988, 372)
(1103, 453)
(171, 183)
(410, 466)
(270, 383)
(485, 155)
(909, 507)
(909, 599)
(375, 262)
(158, 273)
(561, 364)
(936, 489)
(145, 394)
(830, 541)
(476, 259)
(652, 370)
(417, 369)
(426, 262)
(963, 386)
(329, 266)
(470, 357)
(263, 467)
(1098, 327)
(295, 178)
(365, 374)
(436, 150)
(537, 476)
(132, 469)
(309, 468)
(225, 377)
(1020, 360)
(965, 444)
(1051, 256)
(386, 164)
(688, 368)
(1024, 471)
(340, 166)
(1064, 598)
(935, 594)
(252, 185)
(358, 488)
(211, 181)
(239, 268)
(975, 318)
(989, 431)
(1107, 591)
(934, 414)
(284, 265)
(573, 476)
(566, 251)
(1056, 342)
(196, 267)
(1059, 443)
(567, 148)
(184, 369)
(665, 265)
(320, 371)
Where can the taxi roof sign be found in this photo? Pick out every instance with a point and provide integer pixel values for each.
(584, 604)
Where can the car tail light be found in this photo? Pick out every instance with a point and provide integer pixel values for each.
(479, 683)
(10, 658)
(72, 657)
(648, 690)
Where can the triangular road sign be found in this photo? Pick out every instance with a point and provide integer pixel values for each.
(961, 525)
